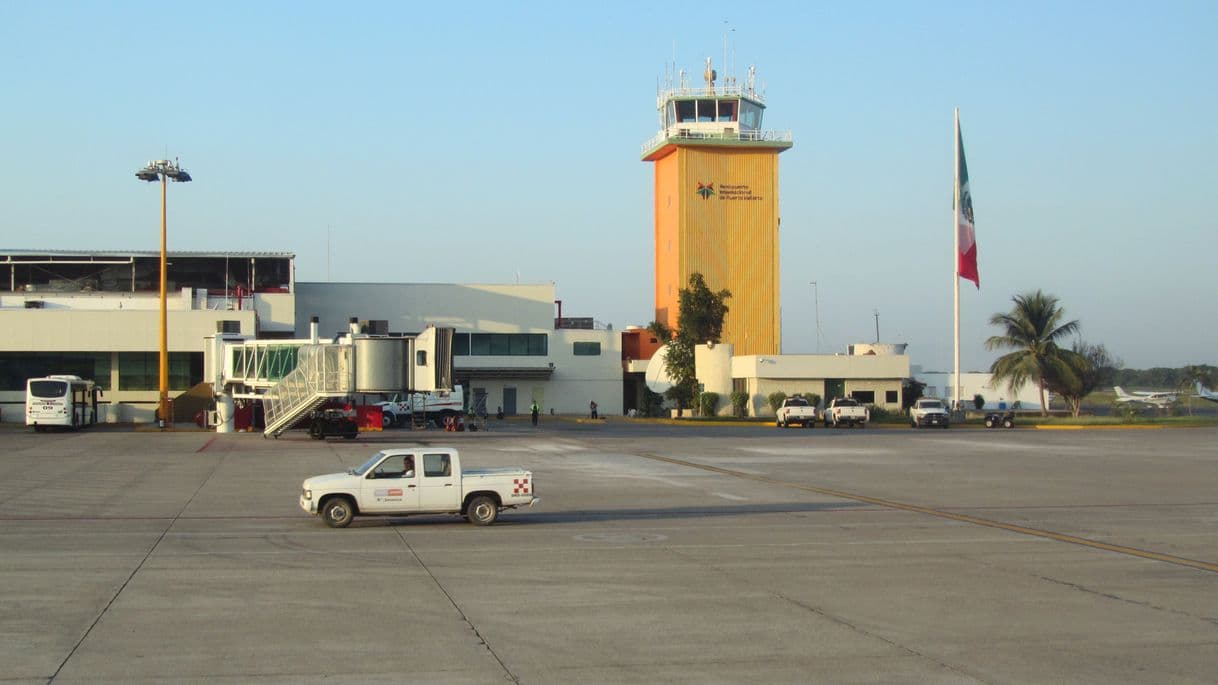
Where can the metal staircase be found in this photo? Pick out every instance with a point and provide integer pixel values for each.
(322, 372)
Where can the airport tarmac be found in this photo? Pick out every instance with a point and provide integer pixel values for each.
(658, 554)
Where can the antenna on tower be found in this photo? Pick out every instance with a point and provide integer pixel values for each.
(727, 72)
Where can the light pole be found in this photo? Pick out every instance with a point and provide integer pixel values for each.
(816, 299)
(162, 170)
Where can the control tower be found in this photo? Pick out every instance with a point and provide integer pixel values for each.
(716, 204)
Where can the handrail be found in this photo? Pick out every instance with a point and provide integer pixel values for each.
(679, 133)
(321, 371)
(703, 91)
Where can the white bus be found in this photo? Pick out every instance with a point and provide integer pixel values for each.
(69, 401)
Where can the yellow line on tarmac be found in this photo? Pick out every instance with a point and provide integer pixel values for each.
(1137, 427)
(962, 518)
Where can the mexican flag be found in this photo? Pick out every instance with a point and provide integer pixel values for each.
(966, 238)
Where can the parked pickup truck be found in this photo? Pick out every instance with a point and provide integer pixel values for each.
(846, 411)
(423, 480)
(929, 412)
(796, 410)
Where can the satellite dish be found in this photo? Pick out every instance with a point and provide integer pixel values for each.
(657, 376)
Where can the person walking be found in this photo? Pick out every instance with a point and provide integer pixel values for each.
(535, 409)
(592, 408)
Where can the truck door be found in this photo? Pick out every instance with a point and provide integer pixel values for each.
(391, 486)
(439, 489)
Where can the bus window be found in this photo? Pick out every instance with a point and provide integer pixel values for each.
(48, 389)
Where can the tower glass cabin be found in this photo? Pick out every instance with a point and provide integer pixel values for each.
(716, 205)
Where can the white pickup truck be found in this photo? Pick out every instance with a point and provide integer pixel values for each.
(929, 411)
(436, 406)
(846, 411)
(423, 480)
(796, 410)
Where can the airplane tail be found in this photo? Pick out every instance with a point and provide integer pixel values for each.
(1120, 392)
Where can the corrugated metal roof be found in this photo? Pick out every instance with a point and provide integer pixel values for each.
(143, 253)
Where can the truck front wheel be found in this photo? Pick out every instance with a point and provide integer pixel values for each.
(482, 511)
(338, 512)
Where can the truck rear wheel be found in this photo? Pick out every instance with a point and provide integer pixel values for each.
(337, 512)
(482, 511)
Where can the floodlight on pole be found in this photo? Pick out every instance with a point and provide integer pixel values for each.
(163, 170)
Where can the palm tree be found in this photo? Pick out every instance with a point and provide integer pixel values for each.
(1190, 376)
(1032, 328)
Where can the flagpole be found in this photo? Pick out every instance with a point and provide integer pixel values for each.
(956, 261)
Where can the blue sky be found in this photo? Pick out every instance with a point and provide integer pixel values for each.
(500, 143)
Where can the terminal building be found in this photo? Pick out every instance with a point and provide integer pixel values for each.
(96, 315)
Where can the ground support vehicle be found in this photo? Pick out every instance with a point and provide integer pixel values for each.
(796, 410)
(846, 411)
(422, 480)
(997, 418)
(436, 406)
(325, 423)
(929, 411)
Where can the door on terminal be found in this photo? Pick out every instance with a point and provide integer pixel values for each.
(834, 387)
(509, 401)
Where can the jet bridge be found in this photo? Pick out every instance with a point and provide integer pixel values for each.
(294, 377)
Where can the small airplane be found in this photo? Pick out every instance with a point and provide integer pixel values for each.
(1205, 393)
(1158, 399)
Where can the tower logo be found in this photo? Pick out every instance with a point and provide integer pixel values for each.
(706, 190)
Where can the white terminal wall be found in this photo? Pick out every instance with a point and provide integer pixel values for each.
(560, 381)
(122, 322)
(996, 395)
(807, 373)
(411, 307)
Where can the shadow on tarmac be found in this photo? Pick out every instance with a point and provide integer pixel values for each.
(529, 518)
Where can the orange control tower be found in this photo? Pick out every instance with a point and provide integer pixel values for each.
(716, 204)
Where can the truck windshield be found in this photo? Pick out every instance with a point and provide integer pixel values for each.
(797, 402)
(932, 404)
(363, 468)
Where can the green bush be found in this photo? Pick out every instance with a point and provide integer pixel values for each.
(813, 399)
(978, 402)
(1126, 411)
(776, 399)
(708, 403)
(653, 403)
(740, 402)
(877, 412)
